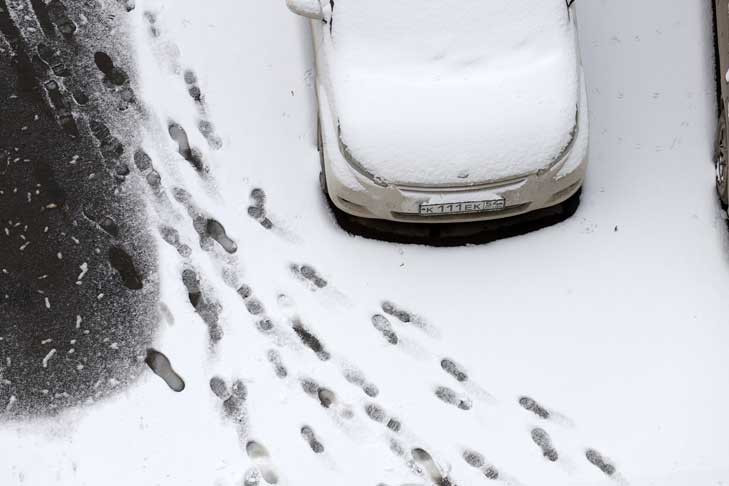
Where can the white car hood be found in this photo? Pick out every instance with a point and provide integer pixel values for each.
(459, 131)
(467, 107)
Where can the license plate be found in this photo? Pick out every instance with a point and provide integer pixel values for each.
(462, 207)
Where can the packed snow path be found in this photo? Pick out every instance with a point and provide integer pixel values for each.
(586, 353)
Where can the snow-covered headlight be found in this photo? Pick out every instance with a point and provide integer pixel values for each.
(355, 164)
(573, 136)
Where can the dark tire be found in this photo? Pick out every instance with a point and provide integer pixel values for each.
(720, 159)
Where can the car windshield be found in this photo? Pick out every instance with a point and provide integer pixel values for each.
(446, 33)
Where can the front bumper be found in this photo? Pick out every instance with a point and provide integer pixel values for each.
(403, 204)
(358, 195)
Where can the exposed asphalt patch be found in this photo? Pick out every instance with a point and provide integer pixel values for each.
(78, 277)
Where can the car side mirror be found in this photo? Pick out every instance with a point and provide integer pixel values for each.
(308, 8)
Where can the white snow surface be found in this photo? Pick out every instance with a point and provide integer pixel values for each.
(615, 319)
(427, 90)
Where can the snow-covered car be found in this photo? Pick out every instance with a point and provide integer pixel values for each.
(721, 24)
(444, 110)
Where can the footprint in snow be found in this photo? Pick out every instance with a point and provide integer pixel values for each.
(355, 377)
(205, 126)
(216, 231)
(192, 283)
(160, 365)
(154, 180)
(310, 340)
(257, 208)
(151, 19)
(308, 273)
(326, 398)
(234, 405)
(453, 369)
(310, 386)
(397, 448)
(434, 472)
(252, 477)
(264, 324)
(449, 396)
(459, 373)
(378, 414)
(233, 400)
(412, 348)
(192, 87)
(310, 437)
(475, 459)
(199, 220)
(208, 310)
(245, 291)
(219, 388)
(57, 13)
(255, 308)
(262, 461)
(530, 404)
(190, 154)
(113, 76)
(542, 439)
(382, 324)
(407, 317)
(122, 262)
(172, 237)
(207, 130)
(274, 358)
(597, 460)
(129, 5)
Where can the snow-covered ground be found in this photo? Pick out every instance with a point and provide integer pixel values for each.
(614, 321)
